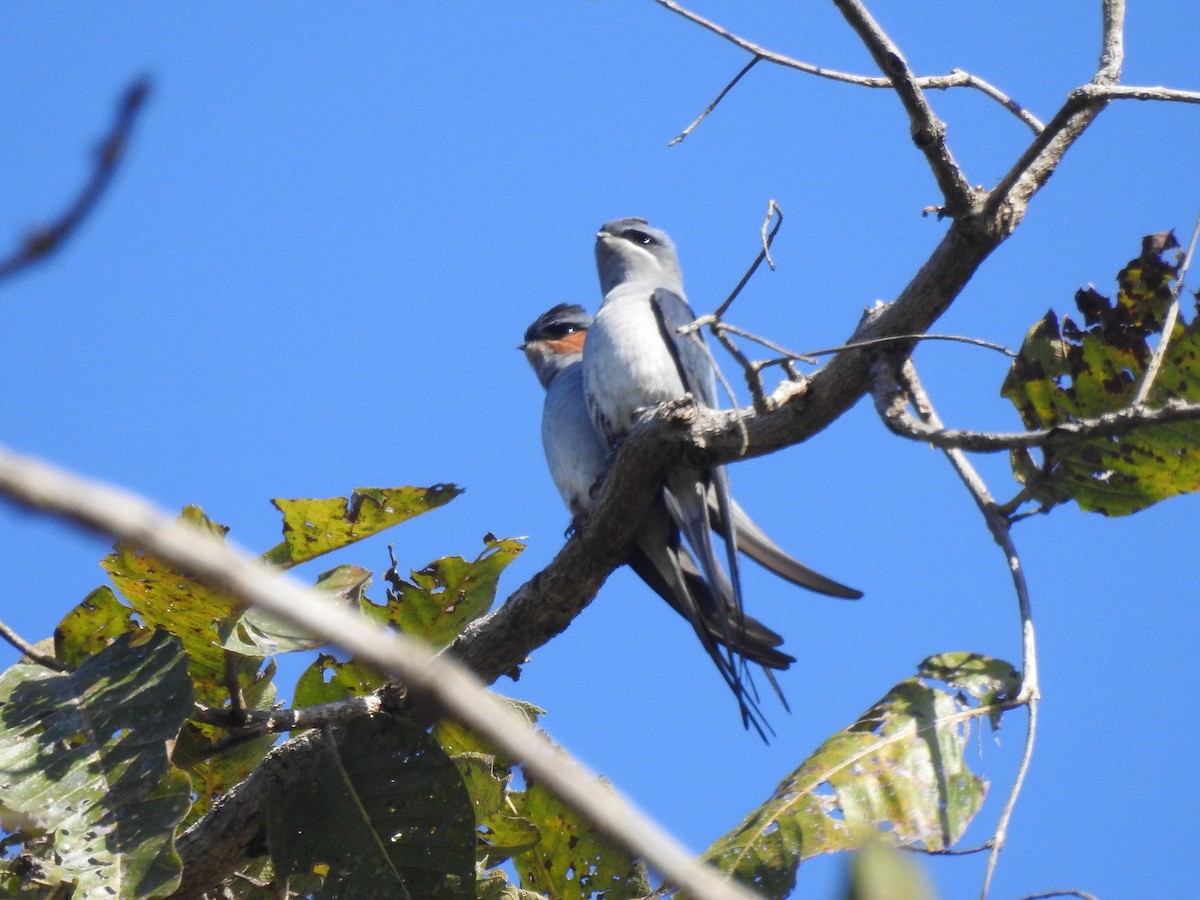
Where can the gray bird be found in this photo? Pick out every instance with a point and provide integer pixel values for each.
(578, 458)
(635, 359)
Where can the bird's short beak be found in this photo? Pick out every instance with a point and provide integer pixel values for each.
(522, 347)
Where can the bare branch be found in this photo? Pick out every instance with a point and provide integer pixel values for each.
(1068, 892)
(892, 409)
(43, 242)
(27, 649)
(928, 132)
(439, 680)
(721, 96)
(956, 78)
(1010, 198)
(1132, 92)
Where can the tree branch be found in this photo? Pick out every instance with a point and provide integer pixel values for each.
(928, 131)
(956, 78)
(892, 408)
(1010, 198)
(249, 722)
(43, 242)
(27, 649)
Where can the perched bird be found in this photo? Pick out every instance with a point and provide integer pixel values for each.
(578, 458)
(635, 359)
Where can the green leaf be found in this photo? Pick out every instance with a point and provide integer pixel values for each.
(455, 738)
(313, 527)
(385, 810)
(446, 595)
(900, 766)
(257, 633)
(84, 754)
(487, 774)
(327, 679)
(573, 862)
(1064, 374)
(98, 620)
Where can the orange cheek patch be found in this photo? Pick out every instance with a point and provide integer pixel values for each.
(572, 343)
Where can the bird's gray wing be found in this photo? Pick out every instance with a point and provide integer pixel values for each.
(691, 486)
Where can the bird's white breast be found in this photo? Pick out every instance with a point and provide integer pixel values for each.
(626, 365)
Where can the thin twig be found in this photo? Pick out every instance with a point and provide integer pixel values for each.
(439, 679)
(27, 649)
(998, 525)
(1160, 352)
(1141, 92)
(894, 338)
(233, 685)
(43, 242)
(956, 78)
(721, 96)
(753, 378)
(1068, 892)
(773, 209)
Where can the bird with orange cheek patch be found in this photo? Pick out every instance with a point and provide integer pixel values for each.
(578, 459)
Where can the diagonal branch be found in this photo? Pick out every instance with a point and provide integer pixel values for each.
(1009, 199)
(928, 131)
(43, 242)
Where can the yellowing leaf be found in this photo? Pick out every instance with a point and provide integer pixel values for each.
(1065, 373)
(314, 527)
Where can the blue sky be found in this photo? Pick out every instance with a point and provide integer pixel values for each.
(333, 227)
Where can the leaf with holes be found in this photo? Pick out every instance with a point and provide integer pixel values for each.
(446, 595)
(1064, 373)
(572, 861)
(173, 601)
(98, 620)
(313, 527)
(900, 766)
(328, 679)
(84, 756)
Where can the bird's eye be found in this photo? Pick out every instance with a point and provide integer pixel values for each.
(640, 237)
(557, 332)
